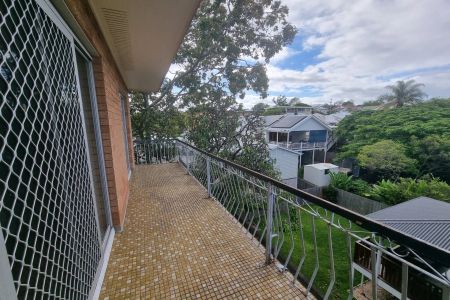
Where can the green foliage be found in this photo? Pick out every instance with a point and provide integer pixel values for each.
(423, 130)
(329, 193)
(404, 92)
(154, 120)
(260, 107)
(348, 183)
(213, 55)
(341, 181)
(274, 111)
(223, 56)
(387, 158)
(280, 101)
(221, 128)
(407, 188)
(373, 102)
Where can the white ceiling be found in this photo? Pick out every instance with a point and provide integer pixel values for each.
(144, 36)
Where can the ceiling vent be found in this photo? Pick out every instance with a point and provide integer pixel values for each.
(119, 28)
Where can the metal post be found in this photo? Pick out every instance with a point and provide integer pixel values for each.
(314, 149)
(374, 265)
(270, 204)
(405, 276)
(208, 175)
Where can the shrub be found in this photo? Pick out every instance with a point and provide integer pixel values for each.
(408, 188)
(330, 193)
(341, 181)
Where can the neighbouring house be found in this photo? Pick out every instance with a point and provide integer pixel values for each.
(422, 218)
(65, 71)
(297, 139)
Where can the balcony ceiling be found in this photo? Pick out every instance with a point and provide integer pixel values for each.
(144, 36)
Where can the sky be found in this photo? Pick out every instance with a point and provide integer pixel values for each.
(350, 50)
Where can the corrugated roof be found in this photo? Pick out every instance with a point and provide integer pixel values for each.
(288, 121)
(434, 232)
(421, 208)
(424, 218)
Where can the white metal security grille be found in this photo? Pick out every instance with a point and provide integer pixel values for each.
(47, 212)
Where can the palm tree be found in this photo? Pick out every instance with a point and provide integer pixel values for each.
(404, 92)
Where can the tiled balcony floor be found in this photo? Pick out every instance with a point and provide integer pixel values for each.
(178, 244)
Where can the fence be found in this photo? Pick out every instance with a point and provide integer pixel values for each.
(358, 203)
(305, 236)
(353, 202)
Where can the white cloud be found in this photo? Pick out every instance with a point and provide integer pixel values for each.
(363, 41)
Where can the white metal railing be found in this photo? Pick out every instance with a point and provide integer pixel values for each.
(300, 145)
(155, 152)
(318, 241)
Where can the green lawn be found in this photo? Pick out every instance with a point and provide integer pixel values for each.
(340, 253)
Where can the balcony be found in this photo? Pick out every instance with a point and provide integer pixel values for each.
(178, 243)
(201, 227)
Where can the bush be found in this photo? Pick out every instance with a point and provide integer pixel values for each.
(340, 181)
(330, 193)
(408, 188)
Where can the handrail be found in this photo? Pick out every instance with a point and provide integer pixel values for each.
(426, 249)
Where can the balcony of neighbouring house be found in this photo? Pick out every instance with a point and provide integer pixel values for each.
(201, 227)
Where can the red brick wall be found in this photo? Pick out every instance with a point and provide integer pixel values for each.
(109, 86)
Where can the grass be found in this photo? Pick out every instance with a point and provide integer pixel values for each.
(340, 255)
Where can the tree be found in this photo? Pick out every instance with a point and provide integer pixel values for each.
(297, 102)
(260, 107)
(225, 51)
(433, 154)
(223, 56)
(280, 101)
(221, 128)
(404, 92)
(152, 120)
(387, 159)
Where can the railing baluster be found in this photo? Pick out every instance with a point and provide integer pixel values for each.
(270, 204)
(208, 175)
(404, 281)
(330, 250)
(373, 261)
(270, 209)
(316, 255)
(350, 262)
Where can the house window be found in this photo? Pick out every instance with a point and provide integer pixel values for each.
(272, 136)
(125, 132)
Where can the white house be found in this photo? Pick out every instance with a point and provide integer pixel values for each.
(299, 133)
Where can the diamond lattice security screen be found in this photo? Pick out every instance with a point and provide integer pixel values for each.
(47, 212)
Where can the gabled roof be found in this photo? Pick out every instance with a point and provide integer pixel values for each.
(288, 121)
(424, 218)
(269, 120)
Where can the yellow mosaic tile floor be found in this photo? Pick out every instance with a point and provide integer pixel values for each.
(179, 244)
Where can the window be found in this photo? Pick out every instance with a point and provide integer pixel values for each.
(125, 132)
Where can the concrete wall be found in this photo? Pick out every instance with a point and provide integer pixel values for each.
(109, 86)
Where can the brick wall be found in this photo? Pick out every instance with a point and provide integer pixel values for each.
(109, 86)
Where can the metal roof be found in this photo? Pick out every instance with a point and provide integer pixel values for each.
(423, 218)
(288, 121)
(269, 120)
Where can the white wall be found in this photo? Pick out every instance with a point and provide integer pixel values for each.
(285, 161)
(317, 176)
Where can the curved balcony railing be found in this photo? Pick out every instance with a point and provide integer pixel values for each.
(333, 251)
